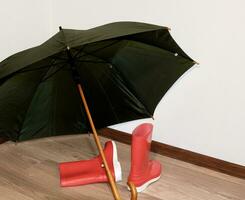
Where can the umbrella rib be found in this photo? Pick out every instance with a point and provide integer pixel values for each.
(79, 51)
(52, 65)
(126, 83)
(132, 91)
(96, 50)
(39, 68)
(91, 61)
(107, 97)
(28, 107)
(185, 56)
(61, 67)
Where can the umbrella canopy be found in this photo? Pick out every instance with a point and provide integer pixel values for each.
(125, 68)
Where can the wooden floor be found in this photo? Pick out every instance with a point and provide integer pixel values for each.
(28, 171)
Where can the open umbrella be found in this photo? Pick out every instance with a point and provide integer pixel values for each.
(122, 68)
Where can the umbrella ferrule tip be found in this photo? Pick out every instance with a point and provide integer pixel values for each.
(195, 62)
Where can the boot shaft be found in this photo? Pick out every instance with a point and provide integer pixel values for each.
(143, 170)
(141, 143)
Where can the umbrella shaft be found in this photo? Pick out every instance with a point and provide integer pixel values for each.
(77, 79)
(75, 74)
(97, 141)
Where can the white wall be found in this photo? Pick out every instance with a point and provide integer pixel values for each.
(23, 24)
(204, 111)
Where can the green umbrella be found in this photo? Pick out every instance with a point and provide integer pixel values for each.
(122, 68)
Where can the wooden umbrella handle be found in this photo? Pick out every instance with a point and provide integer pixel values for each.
(97, 141)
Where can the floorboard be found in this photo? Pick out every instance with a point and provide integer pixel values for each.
(28, 171)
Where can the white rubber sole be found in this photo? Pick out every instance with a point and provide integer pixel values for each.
(116, 163)
(145, 185)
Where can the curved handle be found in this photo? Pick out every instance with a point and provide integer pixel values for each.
(134, 194)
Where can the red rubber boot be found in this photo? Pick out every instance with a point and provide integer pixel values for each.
(143, 171)
(91, 171)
